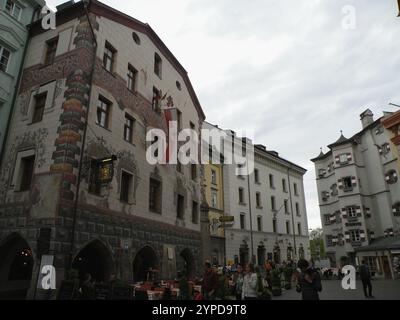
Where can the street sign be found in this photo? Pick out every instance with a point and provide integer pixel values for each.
(224, 219)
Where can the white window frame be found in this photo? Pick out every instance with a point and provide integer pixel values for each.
(214, 199)
(343, 159)
(355, 235)
(2, 48)
(351, 212)
(13, 9)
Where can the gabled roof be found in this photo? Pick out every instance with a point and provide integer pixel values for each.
(76, 10)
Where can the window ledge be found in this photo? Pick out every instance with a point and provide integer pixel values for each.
(103, 127)
(110, 72)
(243, 203)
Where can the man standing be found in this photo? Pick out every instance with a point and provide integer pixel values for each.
(210, 282)
(309, 281)
(365, 276)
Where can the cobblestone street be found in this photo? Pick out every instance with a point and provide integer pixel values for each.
(332, 290)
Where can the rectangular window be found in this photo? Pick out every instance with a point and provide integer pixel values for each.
(39, 105)
(355, 236)
(214, 199)
(274, 226)
(157, 65)
(288, 227)
(242, 222)
(195, 212)
(132, 76)
(273, 204)
(126, 186)
(259, 224)
(128, 128)
(299, 229)
(109, 57)
(13, 9)
(241, 195)
(296, 192)
(256, 176)
(4, 58)
(155, 196)
(297, 210)
(26, 175)
(94, 185)
(343, 159)
(327, 219)
(180, 207)
(193, 170)
(258, 200)
(286, 204)
(179, 117)
(213, 177)
(284, 188)
(51, 49)
(351, 212)
(271, 181)
(347, 184)
(156, 99)
(103, 112)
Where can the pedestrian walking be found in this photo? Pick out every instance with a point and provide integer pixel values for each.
(309, 281)
(365, 276)
(238, 282)
(210, 282)
(249, 290)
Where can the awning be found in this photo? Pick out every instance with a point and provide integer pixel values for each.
(389, 243)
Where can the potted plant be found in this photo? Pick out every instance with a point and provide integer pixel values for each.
(276, 283)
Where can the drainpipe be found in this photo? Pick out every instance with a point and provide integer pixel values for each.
(250, 211)
(86, 3)
(291, 207)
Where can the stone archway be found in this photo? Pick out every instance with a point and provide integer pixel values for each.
(188, 262)
(16, 266)
(96, 259)
(145, 261)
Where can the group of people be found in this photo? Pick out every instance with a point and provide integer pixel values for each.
(253, 283)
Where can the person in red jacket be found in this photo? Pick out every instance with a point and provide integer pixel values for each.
(210, 282)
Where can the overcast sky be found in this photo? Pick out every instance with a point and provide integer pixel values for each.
(287, 69)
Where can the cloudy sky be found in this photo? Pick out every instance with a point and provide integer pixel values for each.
(296, 72)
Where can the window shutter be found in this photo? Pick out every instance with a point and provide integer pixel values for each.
(344, 213)
(337, 160)
(354, 181)
(372, 235)
(335, 240)
(362, 235)
(358, 211)
(332, 218)
(368, 213)
(340, 184)
(349, 157)
(380, 150)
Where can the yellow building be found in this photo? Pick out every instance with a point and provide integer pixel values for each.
(214, 191)
(392, 124)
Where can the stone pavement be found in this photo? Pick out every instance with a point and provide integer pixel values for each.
(332, 290)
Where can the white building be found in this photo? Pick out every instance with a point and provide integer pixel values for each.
(359, 194)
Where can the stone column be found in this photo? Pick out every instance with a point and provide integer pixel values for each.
(205, 248)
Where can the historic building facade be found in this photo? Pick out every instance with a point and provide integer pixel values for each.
(14, 17)
(144, 221)
(214, 192)
(268, 206)
(359, 193)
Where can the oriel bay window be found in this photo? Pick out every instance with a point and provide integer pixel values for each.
(13, 9)
(103, 112)
(155, 196)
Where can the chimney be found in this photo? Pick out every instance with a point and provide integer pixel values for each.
(367, 118)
